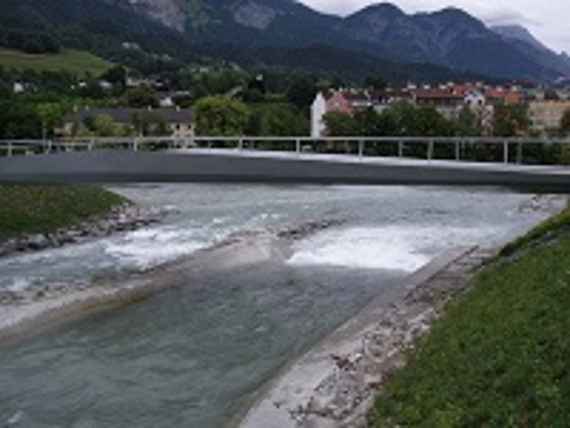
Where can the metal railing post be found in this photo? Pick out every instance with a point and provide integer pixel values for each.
(135, 145)
(400, 149)
(506, 152)
(360, 149)
(430, 150)
(10, 149)
(298, 146)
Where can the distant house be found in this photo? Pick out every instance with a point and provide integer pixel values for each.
(179, 123)
(500, 95)
(341, 101)
(18, 88)
(167, 99)
(547, 115)
(447, 102)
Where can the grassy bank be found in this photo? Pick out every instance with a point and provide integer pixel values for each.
(501, 355)
(41, 209)
(73, 61)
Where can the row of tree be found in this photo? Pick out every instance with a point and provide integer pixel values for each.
(29, 42)
(405, 119)
(221, 116)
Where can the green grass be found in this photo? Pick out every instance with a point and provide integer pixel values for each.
(501, 355)
(42, 209)
(73, 61)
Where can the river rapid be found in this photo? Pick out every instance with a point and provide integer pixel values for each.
(194, 354)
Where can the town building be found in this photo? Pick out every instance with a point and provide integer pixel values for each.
(449, 100)
(547, 115)
(178, 123)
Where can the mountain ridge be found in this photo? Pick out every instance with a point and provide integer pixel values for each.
(449, 37)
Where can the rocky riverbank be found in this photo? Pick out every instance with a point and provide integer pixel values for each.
(335, 384)
(122, 218)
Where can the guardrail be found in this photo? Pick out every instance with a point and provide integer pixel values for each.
(493, 149)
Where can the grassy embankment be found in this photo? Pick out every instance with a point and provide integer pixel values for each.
(42, 209)
(73, 61)
(501, 355)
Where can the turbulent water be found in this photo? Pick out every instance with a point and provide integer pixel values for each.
(193, 355)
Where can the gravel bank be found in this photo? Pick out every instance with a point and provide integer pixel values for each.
(335, 384)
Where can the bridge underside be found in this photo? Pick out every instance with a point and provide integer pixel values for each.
(238, 167)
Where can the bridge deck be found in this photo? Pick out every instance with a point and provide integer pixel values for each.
(233, 166)
(384, 161)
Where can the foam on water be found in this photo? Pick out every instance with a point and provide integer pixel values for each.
(402, 248)
(148, 248)
(19, 284)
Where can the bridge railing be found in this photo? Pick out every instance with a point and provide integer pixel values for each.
(481, 149)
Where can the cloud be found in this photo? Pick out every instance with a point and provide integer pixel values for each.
(509, 17)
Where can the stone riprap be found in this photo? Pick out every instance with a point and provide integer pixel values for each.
(335, 385)
(344, 398)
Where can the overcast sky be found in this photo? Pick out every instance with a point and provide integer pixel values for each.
(548, 20)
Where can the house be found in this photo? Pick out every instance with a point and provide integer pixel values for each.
(168, 99)
(347, 101)
(178, 123)
(446, 102)
(18, 88)
(500, 95)
(547, 115)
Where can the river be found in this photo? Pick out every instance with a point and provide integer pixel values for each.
(192, 355)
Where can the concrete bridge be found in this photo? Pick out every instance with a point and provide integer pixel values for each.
(280, 160)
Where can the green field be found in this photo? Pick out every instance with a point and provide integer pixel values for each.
(73, 61)
(42, 209)
(501, 355)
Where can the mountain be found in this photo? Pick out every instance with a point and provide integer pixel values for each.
(519, 33)
(100, 26)
(450, 38)
(523, 41)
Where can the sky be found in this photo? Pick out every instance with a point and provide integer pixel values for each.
(548, 20)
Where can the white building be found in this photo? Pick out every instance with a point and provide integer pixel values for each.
(318, 111)
(18, 88)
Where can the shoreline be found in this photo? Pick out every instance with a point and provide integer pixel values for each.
(334, 384)
(125, 217)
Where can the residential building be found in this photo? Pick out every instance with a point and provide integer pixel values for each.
(547, 115)
(179, 123)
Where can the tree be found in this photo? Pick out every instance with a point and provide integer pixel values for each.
(220, 116)
(376, 83)
(116, 75)
(565, 123)
(277, 120)
(565, 131)
(19, 119)
(467, 123)
(142, 97)
(302, 92)
(50, 115)
(105, 126)
(341, 124)
(510, 121)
